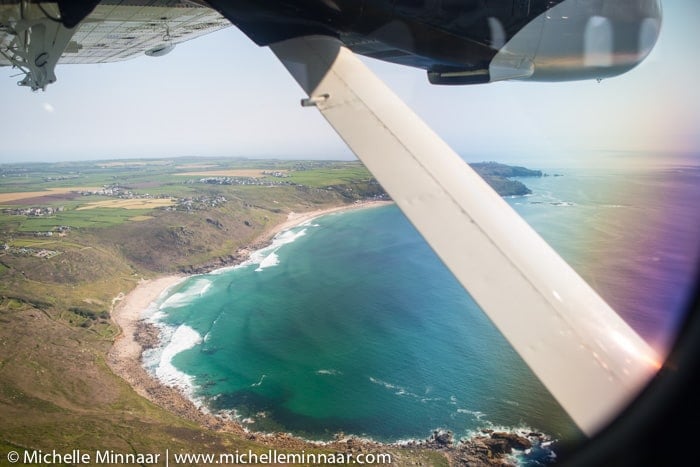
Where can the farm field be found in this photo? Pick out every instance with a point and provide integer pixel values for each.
(134, 203)
(29, 195)
(255, 173)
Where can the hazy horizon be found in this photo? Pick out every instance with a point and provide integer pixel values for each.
(620, 159)
(200, 100)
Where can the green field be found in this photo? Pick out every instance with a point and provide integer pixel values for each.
(90, 218)
(342, 174)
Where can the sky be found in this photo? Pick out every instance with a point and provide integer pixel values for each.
(222, 95)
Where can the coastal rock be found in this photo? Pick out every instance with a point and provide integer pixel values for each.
(441, 438)
(513, 440)
(469, 460)
(497, 446)
(223, 261)
(490, 448)
(480, 452)
(147, 335)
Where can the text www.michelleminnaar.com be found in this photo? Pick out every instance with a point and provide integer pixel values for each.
(272, 456)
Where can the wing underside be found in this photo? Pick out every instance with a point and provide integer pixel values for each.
(33, 38)
(119, 30)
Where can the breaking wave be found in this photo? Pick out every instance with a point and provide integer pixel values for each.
(192, 290)
(159, 361)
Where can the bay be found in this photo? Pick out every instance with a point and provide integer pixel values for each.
(350, 323)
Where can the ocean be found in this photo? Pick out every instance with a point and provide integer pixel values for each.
(349, 323)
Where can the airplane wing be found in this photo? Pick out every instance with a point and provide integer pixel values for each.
(112, 31)
(591, 361)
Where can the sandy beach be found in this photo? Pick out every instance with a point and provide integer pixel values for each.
(294, 219)
(136, 335)
(127, 314)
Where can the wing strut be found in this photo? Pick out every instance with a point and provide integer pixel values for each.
(38, 42)
(591, 361)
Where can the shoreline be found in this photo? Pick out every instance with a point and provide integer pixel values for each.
(295, 219)
(265, 239)
(125, 356)
(137, 335)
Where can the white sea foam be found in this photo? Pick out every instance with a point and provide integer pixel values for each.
(267, 257)
(288, 236)
(159, 361)
(255, 385)
(153, 312)
(430, 399)
(184, 338)
(330, 372)
(176, 300)
(398, 390)
(309, 223)
(474, 413)
(269, 261)
(521, 429)
(190, 292)
(382, 383)
(205, 288)
(217, 272)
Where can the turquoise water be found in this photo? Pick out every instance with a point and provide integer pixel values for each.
(350, 323)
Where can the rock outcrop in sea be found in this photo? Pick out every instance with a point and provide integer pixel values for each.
(488, 448)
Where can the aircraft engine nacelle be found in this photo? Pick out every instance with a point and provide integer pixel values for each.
(469, 41)
(580, 39)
